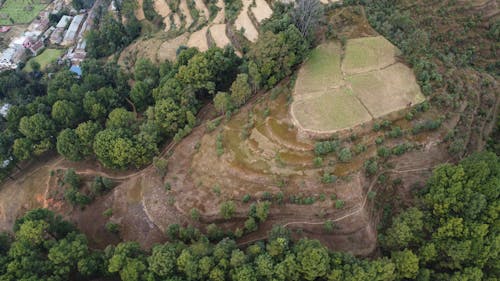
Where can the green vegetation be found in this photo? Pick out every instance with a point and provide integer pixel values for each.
(441, 239)
(20, 11)
(45, 58)
(232, 9)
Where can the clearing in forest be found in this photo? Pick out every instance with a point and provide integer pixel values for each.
(20, 11)
(332, 94)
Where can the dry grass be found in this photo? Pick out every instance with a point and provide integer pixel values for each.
(183, 7)
(198, 39)
(218, 33)
(139, 12)
(387, 90)
(333, 110)
(326, 100)
(261, 11)
(244, 21)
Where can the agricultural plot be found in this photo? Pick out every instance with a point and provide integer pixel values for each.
(368, 54)
(316, 75)
(331, 94)
(387, 90)
(332, 110)
(20, 11)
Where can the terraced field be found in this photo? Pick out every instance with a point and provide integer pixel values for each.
(201, 32)
(333, 94)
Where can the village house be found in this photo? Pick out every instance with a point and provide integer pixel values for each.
(72, 32)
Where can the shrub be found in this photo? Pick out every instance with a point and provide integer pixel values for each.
(371, 195)
(246, 198)
(379, 140)
(325, 147)
(360, 148)
(384, 152)
(108, 212)
(195, 214)
(173, 231)
(112, 227)
(160, 165)
(214, 232)
(219, 145)
(328, 178)
(262, 211)
(371, 166)
(339, 204)
(251, 224)
(71, 178)
(395, 132)
(227, 209)
(345, 155)
(328, 226)
(318, 161)
(401, 148)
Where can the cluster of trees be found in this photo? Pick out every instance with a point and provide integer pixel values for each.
(122, 123)
(110, 35)
(452, 234)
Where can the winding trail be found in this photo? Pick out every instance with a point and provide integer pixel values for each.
(354, 212)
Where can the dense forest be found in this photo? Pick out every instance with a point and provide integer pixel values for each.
(451, 234)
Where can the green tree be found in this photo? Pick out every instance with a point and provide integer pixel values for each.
(22, 149)
(65, 113)
(86, 133)
(120, 118)
(69, 145)
(312, 259)
(36, 127)
(240, 90)
(406, 264)
(222, 102)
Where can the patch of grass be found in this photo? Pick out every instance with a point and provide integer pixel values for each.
(20, 11)
(44, 59)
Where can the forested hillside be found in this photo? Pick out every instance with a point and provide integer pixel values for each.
(451, 234)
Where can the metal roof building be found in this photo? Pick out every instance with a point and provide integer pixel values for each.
(70, 36)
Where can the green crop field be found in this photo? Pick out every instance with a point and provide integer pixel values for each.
(20, 11)
(46, 57)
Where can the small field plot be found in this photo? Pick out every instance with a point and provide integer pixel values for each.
(335, 109)
(321, 71)
(388, 90)
(368, 54)
(46, 57)
(20, 11)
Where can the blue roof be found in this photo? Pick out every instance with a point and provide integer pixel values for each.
(76, 69)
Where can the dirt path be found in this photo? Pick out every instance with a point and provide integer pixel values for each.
(345, 216)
